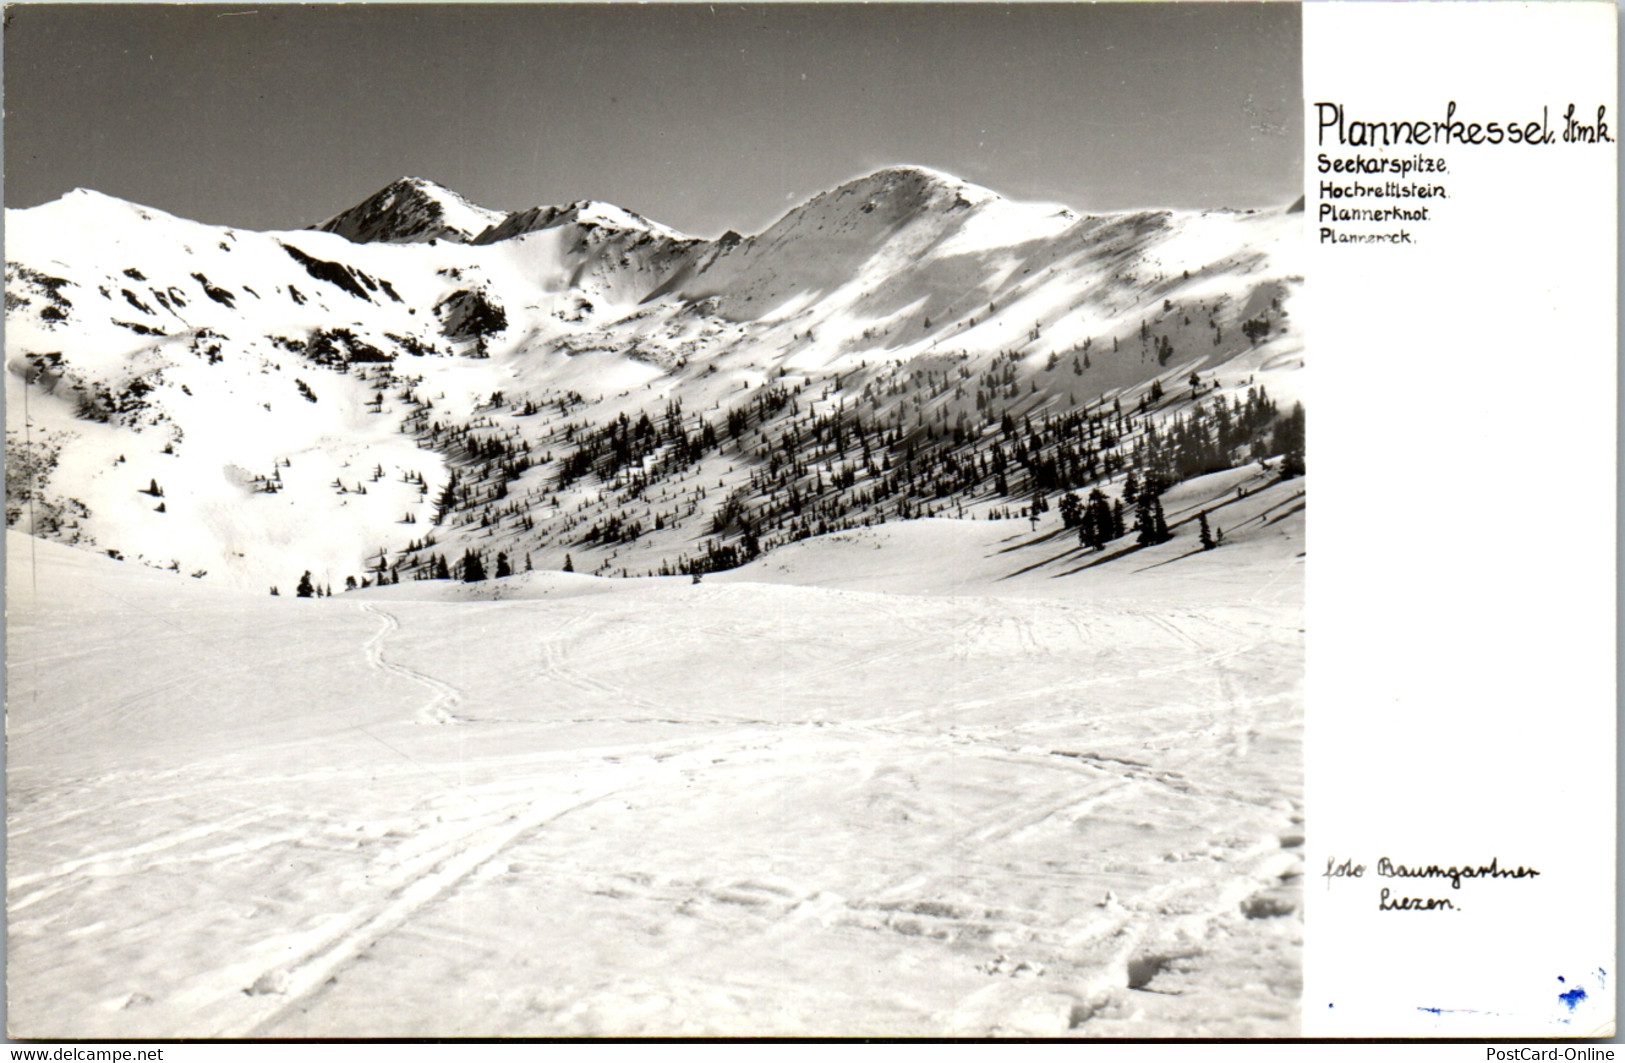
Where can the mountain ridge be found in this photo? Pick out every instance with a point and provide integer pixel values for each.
(568, 380)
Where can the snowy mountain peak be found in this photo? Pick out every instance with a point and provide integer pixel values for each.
(91, 194)
(920, 184)
(886, 197)
(410, 210)
(590, 213)
(87, 210)
(82, 199)
(596, 212)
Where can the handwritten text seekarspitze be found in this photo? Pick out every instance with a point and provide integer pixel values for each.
(1390, 901)
(1407, 187)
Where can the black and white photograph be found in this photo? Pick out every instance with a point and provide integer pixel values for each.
(602, 521)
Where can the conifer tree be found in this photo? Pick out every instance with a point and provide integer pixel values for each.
(447, 499)
(1206, 533)
(305, 590)
(471, 568)
(502, 566)
(1289, 440)
(1149, 521)
(1071, 510)
(1099, 518)
(1143, 523)
(1089, 529)
(569, 566)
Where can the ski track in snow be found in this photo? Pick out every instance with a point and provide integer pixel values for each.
(444, 868)
(438, 709)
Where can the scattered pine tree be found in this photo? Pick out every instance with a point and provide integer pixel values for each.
(1095, 524)
(1289, 441)
(1149, 521)
(447, 499)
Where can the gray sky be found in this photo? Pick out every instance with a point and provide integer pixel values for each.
(701, 116)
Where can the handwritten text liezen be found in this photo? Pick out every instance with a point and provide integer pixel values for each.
(1396, 899)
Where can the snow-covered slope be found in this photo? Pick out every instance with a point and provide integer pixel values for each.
(428, 379)
(1008, 802)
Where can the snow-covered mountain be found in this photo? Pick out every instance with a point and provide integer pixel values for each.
(417, 379)
(412, 209)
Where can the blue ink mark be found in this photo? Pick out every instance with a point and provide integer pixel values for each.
(1435, 1011)
(1560, 978)
(1573, 997)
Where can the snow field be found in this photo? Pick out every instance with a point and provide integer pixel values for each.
(1002, 803)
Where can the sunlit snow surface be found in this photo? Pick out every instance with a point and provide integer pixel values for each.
(934, 778)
